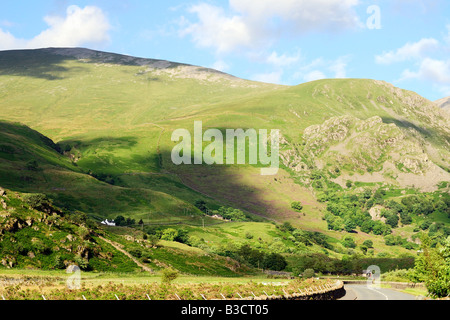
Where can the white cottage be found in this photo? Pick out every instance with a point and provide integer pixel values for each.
(109, 223)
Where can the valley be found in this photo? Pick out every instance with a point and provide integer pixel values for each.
(89, 133)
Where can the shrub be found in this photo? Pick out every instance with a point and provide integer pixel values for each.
(297, 206)
(169, 275)
(308, 273)
(368, 243)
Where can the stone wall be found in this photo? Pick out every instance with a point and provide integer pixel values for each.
(327, 292)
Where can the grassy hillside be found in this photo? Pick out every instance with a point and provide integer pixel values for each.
(110, 119)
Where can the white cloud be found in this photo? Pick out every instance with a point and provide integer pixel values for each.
(436, 71)
(221, 66)
(80, 26)
(282, 60)
(217, 30)
(314, 75)
(339, 67)
(272, 77)
(409, 51)
(260, 23)
(321, 69)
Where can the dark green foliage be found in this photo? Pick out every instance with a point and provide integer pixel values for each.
(368, 243)
(348, 242)
(391, 218)
(286, 227)
(40, 202)
(230, 214)
(308, 273)
(121, 221)
(297, 206)
(257, 258)
(433, 267)
(32, 165)
(201, 205)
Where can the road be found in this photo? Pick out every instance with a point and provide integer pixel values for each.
(364, 292)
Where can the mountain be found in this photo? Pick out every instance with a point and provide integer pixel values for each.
(109, 119)
(444, 103)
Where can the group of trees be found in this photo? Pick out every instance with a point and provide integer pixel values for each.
(258, 258)
(225, 212)
(433, 267)
(354, 264)
(121, 221)
(307, 238)
(346, 212)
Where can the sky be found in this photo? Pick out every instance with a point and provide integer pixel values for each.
(404, 42)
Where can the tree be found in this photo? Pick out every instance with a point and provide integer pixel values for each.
(348, 184)
(120, 221)
(274, 261)
(368, 243)
(433, 267)
(297, 206)
(201, 205)
(169, 275)
(348, 242)
(308, 273)
(169, 234)
(349, 225)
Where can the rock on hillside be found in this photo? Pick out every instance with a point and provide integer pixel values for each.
(367, 151)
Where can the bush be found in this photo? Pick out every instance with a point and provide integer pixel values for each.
(368, 243)
(297, 206)
(308, 273)
(169, 275)
(201, 205)
(169, 234)
(348, 242)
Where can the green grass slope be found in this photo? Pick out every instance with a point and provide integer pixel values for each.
(112, 116)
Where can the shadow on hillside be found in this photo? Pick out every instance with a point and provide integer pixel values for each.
(408, 125)
(111, 142)
(155, 172)
(47, 63)
(431, 134)
(33, 63)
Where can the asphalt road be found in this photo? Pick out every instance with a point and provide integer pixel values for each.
(363, 292)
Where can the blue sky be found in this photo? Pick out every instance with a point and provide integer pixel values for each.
(404, 42)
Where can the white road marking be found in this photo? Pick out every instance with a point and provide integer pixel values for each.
(378, 292)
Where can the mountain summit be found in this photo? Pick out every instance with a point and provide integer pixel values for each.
(444, 103)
